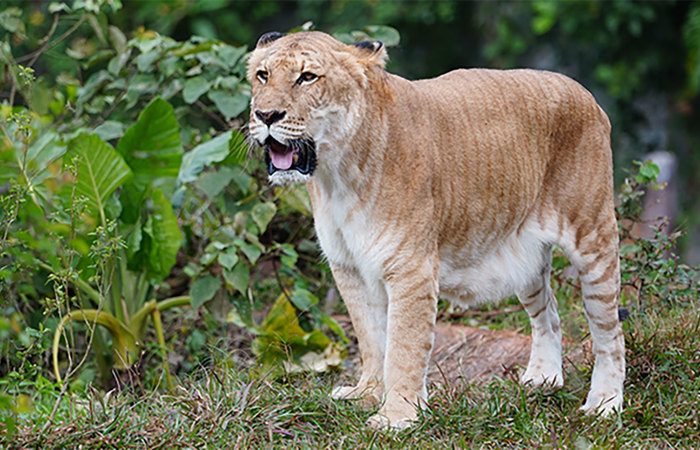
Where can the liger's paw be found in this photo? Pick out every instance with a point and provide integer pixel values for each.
(543, 373)
(367, 394)
(604, 405)
(382, 422)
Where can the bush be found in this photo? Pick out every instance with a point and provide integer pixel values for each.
(128, 194)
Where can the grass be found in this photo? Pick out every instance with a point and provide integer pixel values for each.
(220, 407)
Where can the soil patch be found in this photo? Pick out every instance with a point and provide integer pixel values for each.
(474, 354)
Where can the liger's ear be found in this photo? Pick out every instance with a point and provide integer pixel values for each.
(369, 45)
(266, 38)
(372, 52)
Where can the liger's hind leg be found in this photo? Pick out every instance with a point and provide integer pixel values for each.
(540, 303)
(598, 263)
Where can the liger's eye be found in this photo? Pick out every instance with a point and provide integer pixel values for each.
(262, 76)
(306, 77)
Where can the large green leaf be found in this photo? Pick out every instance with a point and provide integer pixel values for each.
(389, 36)
(295, 198)
(333, 326)
(230, 54)
(166, 236)
(11, 20)
(151, 147)
(159, 240)
(281, 339)
(101, 170)
(243, 315)
(131, 198)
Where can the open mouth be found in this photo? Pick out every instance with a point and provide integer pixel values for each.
(298, 154)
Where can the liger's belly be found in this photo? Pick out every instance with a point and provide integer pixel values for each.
(510, 266)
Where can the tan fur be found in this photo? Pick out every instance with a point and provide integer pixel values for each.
(438, 187)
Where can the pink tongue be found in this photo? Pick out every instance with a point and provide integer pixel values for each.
(281, 161)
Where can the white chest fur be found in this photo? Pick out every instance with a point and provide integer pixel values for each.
(350, 235)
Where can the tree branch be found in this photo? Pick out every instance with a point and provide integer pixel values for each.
(32, 57)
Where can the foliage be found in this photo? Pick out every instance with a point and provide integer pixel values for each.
(651, 271)
(284, 345)
(95, 200)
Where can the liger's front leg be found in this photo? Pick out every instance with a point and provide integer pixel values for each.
(412, 293)
(367, 306)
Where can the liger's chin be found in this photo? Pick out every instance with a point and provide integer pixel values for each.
(288, 177)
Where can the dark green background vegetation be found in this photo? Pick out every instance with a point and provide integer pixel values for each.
(134, 217)
(640, 59)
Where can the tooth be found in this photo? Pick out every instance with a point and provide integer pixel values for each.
(295, 158)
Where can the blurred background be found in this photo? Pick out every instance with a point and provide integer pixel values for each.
(640, 59)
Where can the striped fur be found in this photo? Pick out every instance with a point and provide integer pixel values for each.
(458, 187)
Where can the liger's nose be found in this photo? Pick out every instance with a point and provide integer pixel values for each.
(270, 117)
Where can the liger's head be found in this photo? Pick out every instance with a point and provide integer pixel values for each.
(306, 89)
